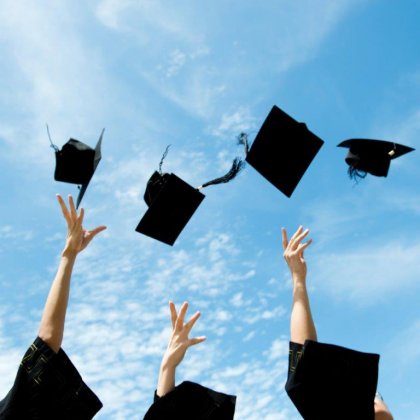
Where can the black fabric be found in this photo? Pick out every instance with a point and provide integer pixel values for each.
(154, 186)
(48, 387)
(172, 202)
(330, 382)
(191, 401)
(283, 150)
(372, 156)
(76, 163)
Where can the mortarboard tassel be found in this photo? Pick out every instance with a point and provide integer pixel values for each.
(165, 153)
(237, 165)
(356, 174)
(243, 139)
(52, 144)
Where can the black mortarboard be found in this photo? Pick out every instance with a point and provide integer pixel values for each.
(283, 150)
(371, 156)
(172, 202)
(76, 163)
(191, 401)
(332, 382)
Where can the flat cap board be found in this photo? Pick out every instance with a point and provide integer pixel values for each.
(283, 150)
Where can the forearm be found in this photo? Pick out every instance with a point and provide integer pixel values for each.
(166, 381)
(301, 323)
(52, 323)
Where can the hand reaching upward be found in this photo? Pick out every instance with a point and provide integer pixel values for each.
(78, 238)
(179, 343)
(293, 252)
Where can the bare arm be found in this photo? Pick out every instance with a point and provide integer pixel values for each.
(381, 409)
(51, 329)
(301, 323)
(177, 347)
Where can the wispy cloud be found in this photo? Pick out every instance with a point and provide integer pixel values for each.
(368, 273)
(291, 35)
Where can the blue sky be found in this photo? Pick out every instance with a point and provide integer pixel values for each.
(195, 75)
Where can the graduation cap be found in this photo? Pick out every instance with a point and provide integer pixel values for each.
(191, 401)
(371, 156)
(328, 382)
(172, 202)
(283, 150)
(76, 163)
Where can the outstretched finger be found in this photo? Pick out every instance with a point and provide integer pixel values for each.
(298, 232)
(284, 238)
(298, 239)
(90, 234)
(305, 245)
(192, 321)
(63, 206)
(172, 308)
(95, 231)
(181, 315)
(196, 340)
(81, 216)
(302, 236)
(73, 211)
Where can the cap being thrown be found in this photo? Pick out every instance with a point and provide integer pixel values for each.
(76, 163)
(371, 156)
(172, 202)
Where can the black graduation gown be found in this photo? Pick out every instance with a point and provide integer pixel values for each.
(191, 401)
(332, 382)
(48, 386)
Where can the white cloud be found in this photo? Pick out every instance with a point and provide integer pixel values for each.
(400, 357)
(370, 273)
(53, 75)
(279, 348)
(232, 124)
(10, 233)
(283, 37)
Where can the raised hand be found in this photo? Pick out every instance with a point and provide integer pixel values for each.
(78, 238)
(180, 341)
(293, 252)
(51, 329)
(177, 347)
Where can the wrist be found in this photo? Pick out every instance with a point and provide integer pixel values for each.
(69, 253)
(299, 279)
(167, 365)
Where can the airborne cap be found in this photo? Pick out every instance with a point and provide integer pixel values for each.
(283, 150)
(371, 156)
(172, 202)
(76, 163)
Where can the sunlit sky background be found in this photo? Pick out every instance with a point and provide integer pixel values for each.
(194, 75)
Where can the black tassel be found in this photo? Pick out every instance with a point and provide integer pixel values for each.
(163, 158)
(356, 174)
(52, 144)
(237, 165)
(243, 139)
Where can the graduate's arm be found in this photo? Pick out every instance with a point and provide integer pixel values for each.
(381, 410)
(177, 347)
(51, 329)
(302, 326)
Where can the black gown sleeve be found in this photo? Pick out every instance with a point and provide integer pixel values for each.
(48, 386)
(330, 382)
